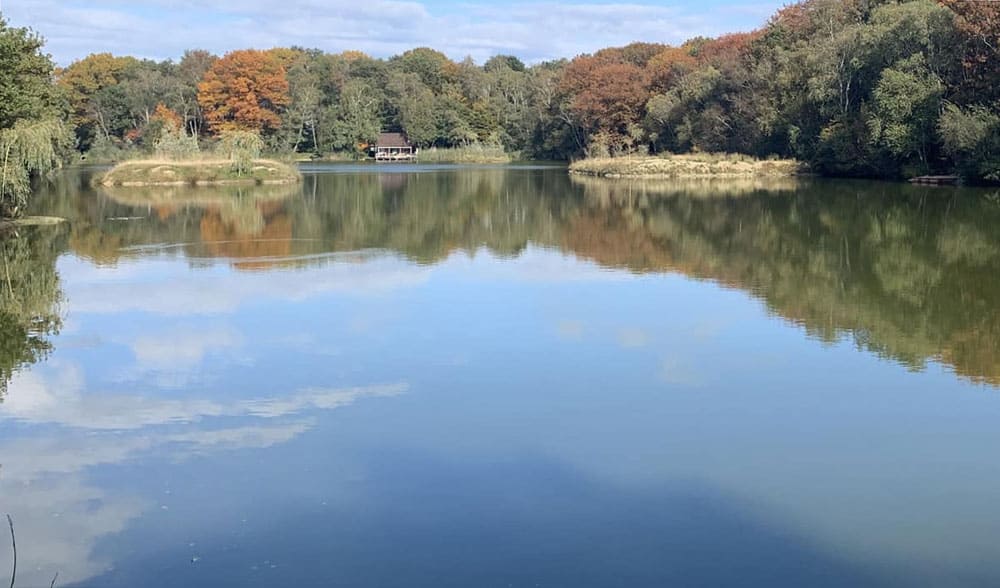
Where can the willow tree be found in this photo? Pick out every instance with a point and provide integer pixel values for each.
(30, 134)
(28, 148)
(241, 148)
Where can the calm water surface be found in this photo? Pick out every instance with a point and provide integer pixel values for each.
(439, 376)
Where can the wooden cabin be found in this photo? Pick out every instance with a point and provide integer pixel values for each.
(394, 147)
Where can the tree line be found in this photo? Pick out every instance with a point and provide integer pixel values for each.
(876, 88)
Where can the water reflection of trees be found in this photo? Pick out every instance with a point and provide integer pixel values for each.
(909, 273)
(29, 297)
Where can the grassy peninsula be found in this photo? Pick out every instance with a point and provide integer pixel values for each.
(695, 165)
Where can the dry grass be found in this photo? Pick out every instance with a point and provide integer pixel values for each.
(469, 154)
(196, 172)
(717, 165)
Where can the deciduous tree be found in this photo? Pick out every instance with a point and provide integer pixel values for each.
(244, 90)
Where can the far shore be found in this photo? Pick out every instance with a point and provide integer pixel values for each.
(703, 165)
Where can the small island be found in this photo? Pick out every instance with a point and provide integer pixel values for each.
(208, 172)
(179, 161)
(695, 165)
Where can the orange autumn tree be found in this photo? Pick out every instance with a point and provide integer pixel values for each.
(168, 118)
(244, 91)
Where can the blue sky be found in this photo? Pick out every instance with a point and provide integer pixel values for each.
(163, 29)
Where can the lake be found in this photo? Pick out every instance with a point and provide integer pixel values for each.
(503, 376)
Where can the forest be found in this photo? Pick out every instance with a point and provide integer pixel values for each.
(863, 88)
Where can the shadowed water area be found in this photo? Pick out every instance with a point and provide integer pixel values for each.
(503, 376)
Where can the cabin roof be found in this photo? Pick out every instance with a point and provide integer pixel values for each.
(392, 140)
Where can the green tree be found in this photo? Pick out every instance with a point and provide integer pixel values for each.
(190, 71)
(905, 106)
(433, 68)
(31, 134)
(302, 118)
(98, 104)
(355, 119)
(971, 137)
(26, 89)
(415, 107)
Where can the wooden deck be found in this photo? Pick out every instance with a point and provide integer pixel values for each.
(399, 156)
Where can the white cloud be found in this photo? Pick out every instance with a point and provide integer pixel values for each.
(533, 31)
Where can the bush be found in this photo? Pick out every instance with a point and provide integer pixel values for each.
(175, 144)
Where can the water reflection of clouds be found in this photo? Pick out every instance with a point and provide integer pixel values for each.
(774, 444)
(184, 346)
(59, 519)
(680, 371)
(61, 399)
(173, 358)
(632, 337)
(60, 515)
(570, 329)
(169, 287)
(535, 264)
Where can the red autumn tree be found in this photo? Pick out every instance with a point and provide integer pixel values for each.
(605, 96)
(245, 90)
(669, 66)
(979, 24)
(635, 53)
(728, 51)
